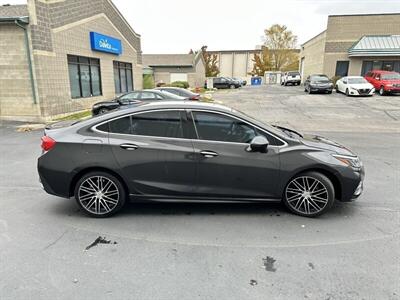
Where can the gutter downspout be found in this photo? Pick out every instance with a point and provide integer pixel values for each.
(28, 52)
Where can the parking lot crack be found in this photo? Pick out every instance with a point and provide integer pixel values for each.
(56, 240)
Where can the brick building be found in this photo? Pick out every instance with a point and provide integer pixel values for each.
(353, 45)
(59, 57)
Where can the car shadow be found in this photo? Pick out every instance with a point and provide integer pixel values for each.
(70, 208)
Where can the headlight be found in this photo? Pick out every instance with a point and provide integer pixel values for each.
(351, 161)
(354, 89)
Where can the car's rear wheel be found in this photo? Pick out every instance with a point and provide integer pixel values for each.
(232, 86)
(382, 91)
(100, 194)
(309, 194)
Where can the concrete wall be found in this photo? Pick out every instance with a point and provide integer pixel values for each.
(52, 67)
(16, 98)
(312, 54)
(236, 64)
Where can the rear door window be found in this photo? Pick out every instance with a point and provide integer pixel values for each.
(158, 123)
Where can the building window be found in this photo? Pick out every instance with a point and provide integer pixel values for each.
(368, 66)
(342, 68)
(123, 79)
(84, 76)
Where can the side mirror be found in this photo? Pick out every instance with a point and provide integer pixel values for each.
(258, 144)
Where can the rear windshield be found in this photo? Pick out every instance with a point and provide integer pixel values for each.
(357, 80)
(393, 76)
(294, 73)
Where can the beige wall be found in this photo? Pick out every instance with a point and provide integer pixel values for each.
(16, 98)
(52, 67)
(235, 64)
(312, 54)
(343, 31)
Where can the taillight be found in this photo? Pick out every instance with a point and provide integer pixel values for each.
(47, 143)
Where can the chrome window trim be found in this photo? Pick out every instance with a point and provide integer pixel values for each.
(237, 118)
(94, 128)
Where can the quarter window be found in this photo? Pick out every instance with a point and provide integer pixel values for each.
(84, 76)
(123, 79)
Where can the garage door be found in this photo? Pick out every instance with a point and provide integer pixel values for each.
(178, 77)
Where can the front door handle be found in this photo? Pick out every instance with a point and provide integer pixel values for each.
(209, 154)
(129, 147)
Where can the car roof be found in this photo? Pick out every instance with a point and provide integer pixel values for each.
(354, 77)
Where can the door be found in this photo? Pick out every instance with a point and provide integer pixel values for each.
(153, 152)
(225, 168)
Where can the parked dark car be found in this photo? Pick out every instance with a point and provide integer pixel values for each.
(241, 81)
(180, 92)
(224, 83)
(196, 152)
(318, 83)
(133, 98)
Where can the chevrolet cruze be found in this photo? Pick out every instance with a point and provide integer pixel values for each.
(194, 152)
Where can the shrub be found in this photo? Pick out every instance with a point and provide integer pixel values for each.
(180, 84)
(334, 79)
(148, 81)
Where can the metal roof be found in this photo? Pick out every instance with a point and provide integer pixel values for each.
(376, 45)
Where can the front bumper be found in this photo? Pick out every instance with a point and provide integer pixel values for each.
(365, 92)
(316, 88)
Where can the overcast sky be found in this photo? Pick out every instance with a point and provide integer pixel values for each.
(176, 26)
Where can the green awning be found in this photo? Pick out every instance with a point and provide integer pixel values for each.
(376, 45)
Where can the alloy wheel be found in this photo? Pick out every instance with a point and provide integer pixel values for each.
(307, 195)
(98, 195)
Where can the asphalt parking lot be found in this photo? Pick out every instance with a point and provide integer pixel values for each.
(213, 251)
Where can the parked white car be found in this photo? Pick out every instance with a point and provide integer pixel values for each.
(292, 77)
(354, 86)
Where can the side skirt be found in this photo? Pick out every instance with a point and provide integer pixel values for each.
(158, 198)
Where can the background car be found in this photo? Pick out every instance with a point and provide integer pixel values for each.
(241, 81)
(318, 83)
(354, 86)
(224, 83)
(384, 81)
(180, 92)
(194, 151)
(133, 98)
(292, 77)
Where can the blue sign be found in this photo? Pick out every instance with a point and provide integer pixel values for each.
(105, 43)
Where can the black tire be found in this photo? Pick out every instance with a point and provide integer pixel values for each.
(322, 184)
(382, 91)
(305, 89)
(337, 89)
(309, 91)
(347, 93)
(100, 180)
(102, 111)
(232, 86)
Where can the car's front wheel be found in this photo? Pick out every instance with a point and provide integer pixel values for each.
(309, 194)
(100, 194)
(382, 91)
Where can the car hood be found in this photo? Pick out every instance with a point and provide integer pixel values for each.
(320, 142)
(361, 85)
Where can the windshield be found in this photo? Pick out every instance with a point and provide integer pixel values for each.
(357, 80)
(319, 78)
(294, 73)
(394, 76)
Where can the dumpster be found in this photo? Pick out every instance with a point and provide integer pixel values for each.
(256, 80)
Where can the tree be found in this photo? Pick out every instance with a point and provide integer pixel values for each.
(211, 62)
(281, 44)
(262, 62)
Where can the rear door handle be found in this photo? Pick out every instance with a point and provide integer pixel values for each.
(209, 154)
(129, 147)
